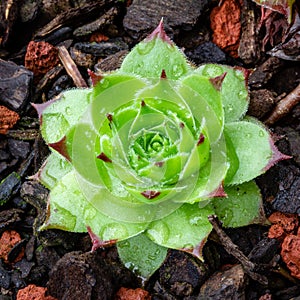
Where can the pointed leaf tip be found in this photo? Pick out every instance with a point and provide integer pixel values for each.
(42, 106)
(218, 192)
(217, 81)
(61, 147)
(104, 157)
(277, 156)
(163, 74)
(97, 242)
(94, 77)
(197, 250)
(159, 32)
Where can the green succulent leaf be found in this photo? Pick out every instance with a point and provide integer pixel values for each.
(53, 169)
(234, 93)
(247, 137)
(141, 255)
(156, 53)
(241, 207)
(150, 151)
(186, 228)
(63, 113)
(69, 210)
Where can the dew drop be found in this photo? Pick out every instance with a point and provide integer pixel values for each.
(160, 232)
(243, 94)
(89, 213)
(229, 107)
(68, 110)
(104, 82)
(113, 231)
(212, 71)
(145, 47)
(188, 246)
(248, 135)
(261, 133)
(177, 70)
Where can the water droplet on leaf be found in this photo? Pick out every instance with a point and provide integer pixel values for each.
(144, 48)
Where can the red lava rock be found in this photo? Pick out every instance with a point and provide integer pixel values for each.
(283, 224)
(8, 119)
(98, 37)
(131, 294)
(226, 26)
(8, 240)
(290, 253)
(33, 292)
(40, 58)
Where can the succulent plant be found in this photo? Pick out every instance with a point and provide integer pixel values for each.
(144, 156)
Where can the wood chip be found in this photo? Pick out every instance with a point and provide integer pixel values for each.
(71, 67)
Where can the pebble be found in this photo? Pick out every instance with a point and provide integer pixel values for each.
(15, 85)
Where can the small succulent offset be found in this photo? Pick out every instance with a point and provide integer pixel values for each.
(142, 158)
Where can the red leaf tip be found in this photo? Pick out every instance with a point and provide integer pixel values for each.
(150, 194)
(94, 77)
(61, 147)
(163, 74)
(97, 242)
(217, 81)
(159, 32)
(276, 156)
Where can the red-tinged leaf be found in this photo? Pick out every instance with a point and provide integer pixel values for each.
(97, 242)
(217, 81)
(61, 148)
(159, 32)
(276, 157)
(42, 106)
(94, 77)
(197, 250)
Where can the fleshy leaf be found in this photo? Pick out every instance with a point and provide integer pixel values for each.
(69, 210)
(141, 255)
(62, 114)
(185, 228)
(53, 169)
(241, 207)
(234, 93)
(251, 142)
(154, 54)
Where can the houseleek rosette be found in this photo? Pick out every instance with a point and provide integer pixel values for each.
(153, 149)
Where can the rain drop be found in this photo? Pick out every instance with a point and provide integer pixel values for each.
(177, 70)
(145, 47)
(212, 71)
(114, 230)
(160, 231)
(68, 110)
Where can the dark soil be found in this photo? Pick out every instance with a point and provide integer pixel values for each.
(98, 34)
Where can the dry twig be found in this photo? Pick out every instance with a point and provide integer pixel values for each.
(232, 249)
(284, 106)
(71, 67)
